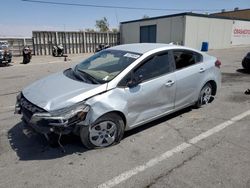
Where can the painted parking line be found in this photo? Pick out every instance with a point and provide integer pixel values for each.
(128, 174)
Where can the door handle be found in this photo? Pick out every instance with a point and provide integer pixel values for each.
(201, 70)
(169, 83)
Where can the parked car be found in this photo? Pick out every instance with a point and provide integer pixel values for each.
(246, 62)
(5, 53)
(118, 89)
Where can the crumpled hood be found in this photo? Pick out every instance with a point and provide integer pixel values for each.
(58, 91)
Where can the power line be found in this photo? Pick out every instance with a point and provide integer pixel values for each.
(118, 7)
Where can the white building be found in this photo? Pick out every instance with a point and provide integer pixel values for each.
(188, 29)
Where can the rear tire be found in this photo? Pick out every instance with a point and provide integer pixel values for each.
(106, 131)
(205, 95)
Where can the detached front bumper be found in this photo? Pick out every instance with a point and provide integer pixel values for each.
(63, 121)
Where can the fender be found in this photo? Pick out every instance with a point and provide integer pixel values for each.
(100, 105)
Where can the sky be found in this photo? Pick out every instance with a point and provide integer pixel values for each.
(19, 18)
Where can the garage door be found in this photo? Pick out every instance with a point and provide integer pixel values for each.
(148, 33)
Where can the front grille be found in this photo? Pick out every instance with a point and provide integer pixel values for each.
(28, 109)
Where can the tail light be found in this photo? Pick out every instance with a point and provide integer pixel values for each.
(217, 63)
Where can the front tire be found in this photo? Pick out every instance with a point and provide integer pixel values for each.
(106, 131)
(205, 95)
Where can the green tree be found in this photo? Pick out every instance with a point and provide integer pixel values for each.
(102, 25)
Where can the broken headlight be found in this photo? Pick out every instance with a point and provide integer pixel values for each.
(63, 117)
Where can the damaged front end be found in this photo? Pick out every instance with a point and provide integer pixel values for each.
(61, 121)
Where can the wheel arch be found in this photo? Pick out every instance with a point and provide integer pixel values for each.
(95, 114)
(116, 138)
(214, 86)
(118, 113)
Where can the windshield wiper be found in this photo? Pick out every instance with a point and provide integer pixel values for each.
(88, 76)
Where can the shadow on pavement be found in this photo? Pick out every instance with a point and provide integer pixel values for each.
(244, 71)
(33, 146)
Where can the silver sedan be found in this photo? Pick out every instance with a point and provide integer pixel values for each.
(118, 89)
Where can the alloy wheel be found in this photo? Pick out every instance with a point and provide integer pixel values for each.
(206, 95)
(103, 134)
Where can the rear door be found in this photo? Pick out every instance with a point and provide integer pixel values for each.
(154, 96)
(189, 73)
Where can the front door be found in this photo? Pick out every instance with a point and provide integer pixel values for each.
(155, 95)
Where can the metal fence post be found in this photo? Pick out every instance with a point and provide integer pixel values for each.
(108, 37)
(84, 42)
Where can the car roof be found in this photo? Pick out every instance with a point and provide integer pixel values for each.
(142, 48)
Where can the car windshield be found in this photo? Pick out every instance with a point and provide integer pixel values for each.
(105, 65)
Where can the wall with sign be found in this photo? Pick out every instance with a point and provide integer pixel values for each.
(240, 33)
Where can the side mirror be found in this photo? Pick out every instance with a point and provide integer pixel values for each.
(135, 81)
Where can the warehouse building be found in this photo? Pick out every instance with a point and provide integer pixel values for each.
(188, 29)
(234, 14)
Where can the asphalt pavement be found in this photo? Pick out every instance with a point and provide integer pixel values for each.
(206, 147)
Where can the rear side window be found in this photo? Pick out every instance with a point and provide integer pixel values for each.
(186, 58)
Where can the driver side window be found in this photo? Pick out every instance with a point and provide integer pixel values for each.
(154, 67)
